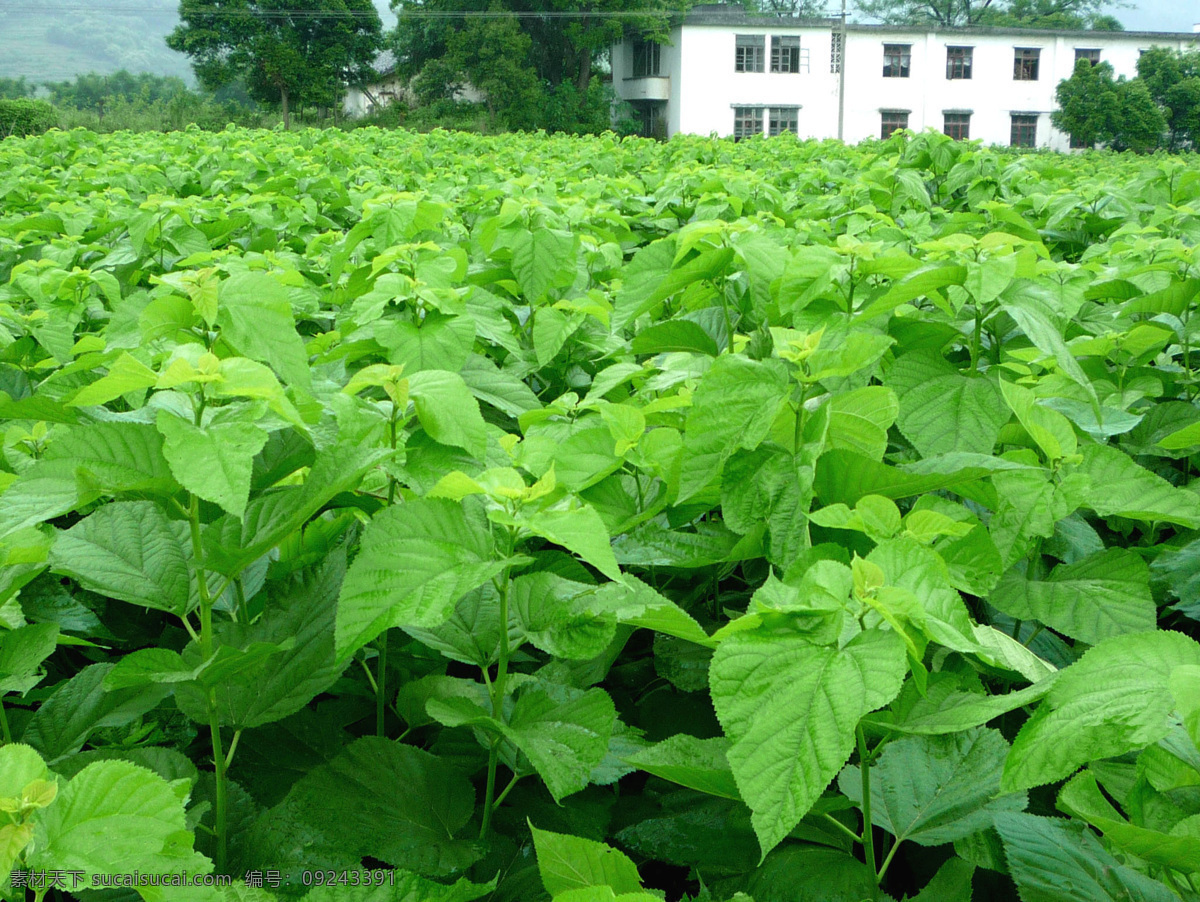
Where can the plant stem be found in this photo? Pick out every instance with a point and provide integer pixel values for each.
(507, 789)
(497, 692)
(977, 341)
(206, 652)
(868, 838)
(381, 686)
(835, 822)
(888, 860)
(4, 724)
(489, 791)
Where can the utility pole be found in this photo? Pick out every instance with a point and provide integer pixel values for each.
(842, 76)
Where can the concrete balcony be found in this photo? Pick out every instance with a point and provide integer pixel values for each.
(650, 87)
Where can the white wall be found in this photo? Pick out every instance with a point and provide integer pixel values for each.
(704, 88)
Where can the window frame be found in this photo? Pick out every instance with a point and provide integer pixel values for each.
(647, 59)
(960, 129)
(897, 118)
(1026, 63)
(1019, 123)
(778, 54)
(1091, 54)
(958, 67)
(747, 113)
(897, 57)
(781, 114)
(749, 53)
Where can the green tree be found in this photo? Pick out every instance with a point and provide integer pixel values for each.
(16, 88)
(1087, 104)
(288, 51)
(1141, 123)
(1025, 13)
(1173, 81)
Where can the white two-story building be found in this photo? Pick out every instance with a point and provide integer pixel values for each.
(733, 74)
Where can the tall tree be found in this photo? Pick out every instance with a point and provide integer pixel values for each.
(288, 51)
(957, 13)
(1096, 109)
(1173, 80)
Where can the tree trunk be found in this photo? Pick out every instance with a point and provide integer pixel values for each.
(584, 76)
(287, 119)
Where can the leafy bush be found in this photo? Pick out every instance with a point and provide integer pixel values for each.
(547, 518)
(26, 117)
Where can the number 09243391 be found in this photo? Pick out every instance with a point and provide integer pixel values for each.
(377, 877)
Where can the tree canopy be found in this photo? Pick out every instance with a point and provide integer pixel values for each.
(1095, 108)
(1023, 13)
(287, 51)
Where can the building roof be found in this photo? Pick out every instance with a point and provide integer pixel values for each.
(732, 14)
(385, 63)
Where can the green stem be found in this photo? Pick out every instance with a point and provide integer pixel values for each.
(4, 724)
(497, 692)
(381, 686)
(206, 652)
(888, 860)
(835, 822)
(868, 838)
(237, 734)
(507, 789)
(977, 341)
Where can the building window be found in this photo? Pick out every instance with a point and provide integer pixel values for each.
(1092, 56)
(751, 49)
(1079, 144)
(958, 62)
(897, 59)
(783, 119)
(835, 53)
(646, 58)
(892, 120)
(747, 121)
(785, 53)
(1025, 64)
(1024, 130)
(958, 126)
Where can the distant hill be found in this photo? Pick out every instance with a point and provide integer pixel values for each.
(54, 40)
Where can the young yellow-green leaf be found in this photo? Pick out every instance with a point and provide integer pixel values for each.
(115, 817)
(571, 862)
(943, 711)
(126, 374)
(1055, 860)
(213, 462)
(733, 408)
(447, 410)
(936, 789)
(1115, 699)
(416, 560)
(1101, 596)
(1184, 681)
(790, 709)
(128, 550)
(20, 766)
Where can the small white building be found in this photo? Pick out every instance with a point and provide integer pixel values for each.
(734, 74)
(384, 89)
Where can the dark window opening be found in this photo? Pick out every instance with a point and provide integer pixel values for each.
(783, 119)
(958, 126)
(785, 53)
(747, 122)
(958, 62)
(1024, 130)
(891, 120)
(751, 49)
(647, 57)
(1092, 56)
(897, 60)
(1025, 64)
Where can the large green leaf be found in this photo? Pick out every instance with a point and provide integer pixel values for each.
(942, 411)
(577, 529)
(256, 319)
(733, 408)
(416, 560)
(1101, 596)
(936, 789)
(376, 798)
(1115, 699)
(215, 462)
(115, 817)
(543, 259)
(1054, 860)
(21, 653)
(447, 410)
(1119, 487)
(790, 709)
(700, 764)
(131, 551)
(84, 463)
(859, 420)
